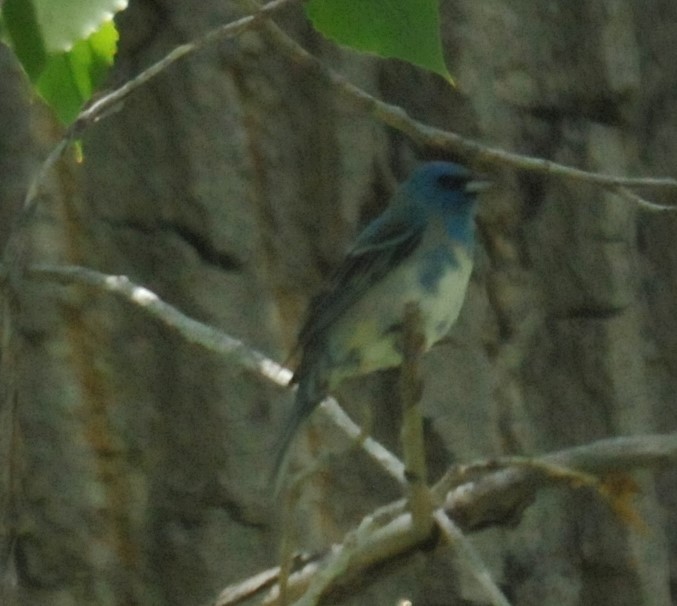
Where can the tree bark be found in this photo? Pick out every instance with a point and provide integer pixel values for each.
(135, 464)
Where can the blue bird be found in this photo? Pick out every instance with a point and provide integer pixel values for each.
(418, 250)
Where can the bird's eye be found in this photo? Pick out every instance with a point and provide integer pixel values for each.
(451, 181)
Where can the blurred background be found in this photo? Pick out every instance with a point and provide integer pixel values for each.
(135, 465)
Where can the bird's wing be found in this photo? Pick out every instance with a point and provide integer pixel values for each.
(380, 248)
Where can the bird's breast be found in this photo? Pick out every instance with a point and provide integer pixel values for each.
(367, 337)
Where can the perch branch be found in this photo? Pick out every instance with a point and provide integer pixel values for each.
(602, 457)
(411, 388)
(490, 497)
(474, 496)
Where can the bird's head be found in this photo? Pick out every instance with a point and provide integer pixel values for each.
(444, 186)
(445, 190)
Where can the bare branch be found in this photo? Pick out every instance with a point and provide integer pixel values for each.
(193, 331)
(108, 103)
(625, 193)
(214, 340)
(111, 102)
(489, 493)
(491, 497)
(371, 546)
(397, 118)
(474, 496)
(241, 592)
(470, 557)
(477, 499)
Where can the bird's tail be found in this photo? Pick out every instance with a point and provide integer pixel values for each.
(312, 389)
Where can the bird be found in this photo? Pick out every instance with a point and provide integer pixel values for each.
(419, 250)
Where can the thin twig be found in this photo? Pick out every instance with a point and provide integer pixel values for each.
(110, 102)
(105, 104)
(470, 557)
(338, 564)
(369, 546)
(631, 196)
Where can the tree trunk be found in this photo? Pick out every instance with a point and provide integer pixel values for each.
(135, 464)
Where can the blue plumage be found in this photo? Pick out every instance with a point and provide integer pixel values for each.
(420, 250)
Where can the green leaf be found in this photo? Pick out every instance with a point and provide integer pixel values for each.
(64, 22)
(69, 79)
(65, 46)
(402, 29)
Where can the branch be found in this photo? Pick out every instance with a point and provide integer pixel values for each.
(391, 115)
(111, 102)
(397, 118)
(191, 330)
(491, 497)
(411, 389)
(474, 496)
(470, 557)
(359, 544)
(213, 340)
(476, 499)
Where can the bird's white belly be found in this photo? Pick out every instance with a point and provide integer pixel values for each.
(368, 335)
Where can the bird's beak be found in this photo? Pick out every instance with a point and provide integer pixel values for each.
(478, 185)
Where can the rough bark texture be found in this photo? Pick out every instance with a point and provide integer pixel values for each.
(134, 464)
